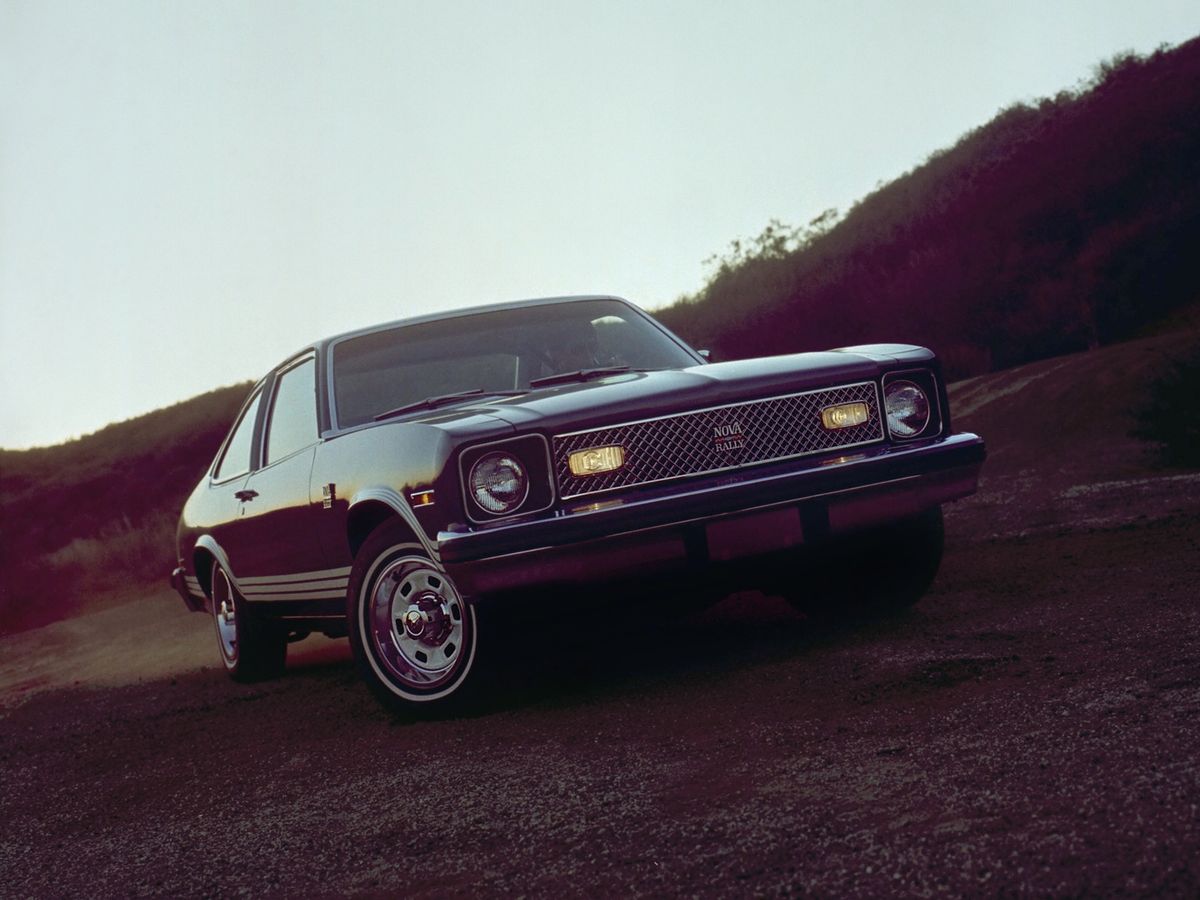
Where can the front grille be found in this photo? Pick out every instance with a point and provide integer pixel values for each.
(712, 440)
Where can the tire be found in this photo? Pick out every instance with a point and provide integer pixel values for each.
(412, 632)
(251, 648)
(877, 573)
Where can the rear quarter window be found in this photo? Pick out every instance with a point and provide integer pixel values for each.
(293, 423)
(236, 458)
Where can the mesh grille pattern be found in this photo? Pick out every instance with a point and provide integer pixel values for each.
(713, 439)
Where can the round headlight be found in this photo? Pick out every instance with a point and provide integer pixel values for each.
(907, 408)
(498, 483)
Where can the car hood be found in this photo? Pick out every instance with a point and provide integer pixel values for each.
(635, 395)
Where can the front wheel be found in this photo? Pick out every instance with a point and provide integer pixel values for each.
(881, 571)
(412, 632)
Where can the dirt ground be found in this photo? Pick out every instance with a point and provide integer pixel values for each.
(1032, 727)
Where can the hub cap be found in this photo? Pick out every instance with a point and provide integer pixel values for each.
(225, 616)
(416, 622)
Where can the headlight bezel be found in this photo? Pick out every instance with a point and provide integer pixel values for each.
(532, 453)
(926, 381)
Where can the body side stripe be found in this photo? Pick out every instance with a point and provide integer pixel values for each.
(312, 595)
(317, 575)
(329, 585)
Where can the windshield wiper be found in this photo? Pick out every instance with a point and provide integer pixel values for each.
(577, 375)
(443, 399)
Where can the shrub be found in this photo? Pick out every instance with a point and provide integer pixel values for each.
(1169, 414)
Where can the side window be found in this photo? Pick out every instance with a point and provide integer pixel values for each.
(236, 460)
(293, 422)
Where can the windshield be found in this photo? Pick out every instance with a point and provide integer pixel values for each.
(497, 351)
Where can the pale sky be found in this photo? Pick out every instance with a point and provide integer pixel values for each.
(189, 191)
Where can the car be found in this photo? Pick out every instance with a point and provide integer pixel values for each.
(398, 483)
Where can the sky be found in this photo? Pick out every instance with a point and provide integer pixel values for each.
(190, 191)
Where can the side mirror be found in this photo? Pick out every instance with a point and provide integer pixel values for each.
(707, 354)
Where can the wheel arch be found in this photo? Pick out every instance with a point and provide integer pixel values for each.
(371, 508)
(205, 552)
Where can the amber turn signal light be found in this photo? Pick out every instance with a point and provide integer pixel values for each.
(421, 498)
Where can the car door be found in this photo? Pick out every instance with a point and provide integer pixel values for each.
(220, 513)
(279, 553)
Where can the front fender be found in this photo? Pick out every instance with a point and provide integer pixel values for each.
(394, 500)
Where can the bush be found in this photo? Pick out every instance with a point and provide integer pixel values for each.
(1169, 415)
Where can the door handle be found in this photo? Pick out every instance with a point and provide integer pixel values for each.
(246, 495)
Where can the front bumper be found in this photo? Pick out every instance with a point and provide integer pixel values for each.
(715, 519)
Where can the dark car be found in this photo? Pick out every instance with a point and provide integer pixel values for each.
(392, 482)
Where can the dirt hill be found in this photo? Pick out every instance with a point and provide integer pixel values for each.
(1059, 225)
(83, 523)
(1061, 444)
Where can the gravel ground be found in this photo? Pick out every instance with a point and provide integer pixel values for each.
(1030, 728)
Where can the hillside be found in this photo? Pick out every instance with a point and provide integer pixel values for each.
(1055, 227)
(1063, 444)
(83, 521)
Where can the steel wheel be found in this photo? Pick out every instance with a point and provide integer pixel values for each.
(416, 622)
(251, 649)
(412, 632)
(225, 617)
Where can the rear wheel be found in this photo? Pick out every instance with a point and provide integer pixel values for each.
(412, 632)
(252, 648)
(881, 571)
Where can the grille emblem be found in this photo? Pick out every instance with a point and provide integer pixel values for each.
(728, 436)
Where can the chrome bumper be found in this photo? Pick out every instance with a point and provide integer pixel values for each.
(179, 583)
(716, 520)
